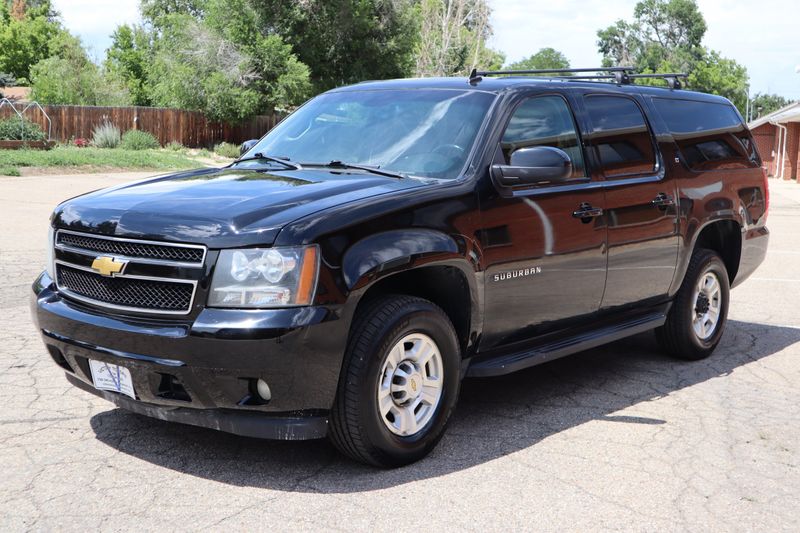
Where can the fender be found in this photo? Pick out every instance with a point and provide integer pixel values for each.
(393, 252)
(693, 230)
(386, 250)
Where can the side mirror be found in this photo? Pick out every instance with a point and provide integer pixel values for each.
(536, 164)
(247, 145)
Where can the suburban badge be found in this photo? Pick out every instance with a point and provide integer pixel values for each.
(520, 273)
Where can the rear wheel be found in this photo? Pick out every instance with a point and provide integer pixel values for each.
(399, 383)
(697, 318)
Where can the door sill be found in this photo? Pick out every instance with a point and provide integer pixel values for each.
(560, 344)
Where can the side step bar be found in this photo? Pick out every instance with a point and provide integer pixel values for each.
(549, 350)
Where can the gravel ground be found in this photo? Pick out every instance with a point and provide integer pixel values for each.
(614, 438)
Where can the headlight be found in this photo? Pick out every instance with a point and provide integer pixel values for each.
(265, 277)
(50, 266)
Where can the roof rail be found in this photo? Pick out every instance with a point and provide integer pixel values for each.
(621, 75)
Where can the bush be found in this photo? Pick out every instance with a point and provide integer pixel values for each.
(15, 129)
(80, 142)
(138, 140)
(227, 150)
(175, 146)
(106, 135)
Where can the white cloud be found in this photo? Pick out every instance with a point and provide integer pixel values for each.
(95, 20)
(760, 36)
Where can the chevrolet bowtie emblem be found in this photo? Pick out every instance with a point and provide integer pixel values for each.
(108, 266)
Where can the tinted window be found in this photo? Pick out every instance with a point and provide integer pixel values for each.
(544, 121)
(620, 136)
(711, 136)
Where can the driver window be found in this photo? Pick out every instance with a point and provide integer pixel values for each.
(544, 121)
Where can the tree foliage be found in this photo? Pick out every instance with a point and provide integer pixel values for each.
(345, 41)
(666, 36)
(7, 80)
(545, 58)
(764, 104)
(452, 38)
(69, 77)
(212, 56)
(128, 60)
(27, 37)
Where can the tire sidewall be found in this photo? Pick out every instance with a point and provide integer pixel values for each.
(425, 319)
(714, 265)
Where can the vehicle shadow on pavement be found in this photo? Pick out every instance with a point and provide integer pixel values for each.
(495, 417)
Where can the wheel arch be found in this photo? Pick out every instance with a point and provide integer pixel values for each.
(417, 262)
(723, 236)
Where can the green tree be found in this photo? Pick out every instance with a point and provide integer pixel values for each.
(545, 58)
(27, 40)
(128, 60)
(666, 36)
(452, 38)
(156, 11)
(194, 68)
(344, 41)
(764, 104)
(69, 77)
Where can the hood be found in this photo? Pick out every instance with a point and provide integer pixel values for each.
(219, 207)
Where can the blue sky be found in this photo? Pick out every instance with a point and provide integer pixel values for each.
(762, 35)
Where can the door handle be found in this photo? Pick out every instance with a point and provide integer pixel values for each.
(586, 212)
(663, 200)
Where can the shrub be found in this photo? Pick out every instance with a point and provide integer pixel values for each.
(175, 146)
(106, 135)
(80, 142)
(15, 129)
(138, 140)
(227, 150)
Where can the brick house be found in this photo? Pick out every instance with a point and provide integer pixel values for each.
(777, 137)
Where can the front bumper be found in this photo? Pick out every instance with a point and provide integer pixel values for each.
(201, 372)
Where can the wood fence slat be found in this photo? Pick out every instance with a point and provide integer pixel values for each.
(190, 128)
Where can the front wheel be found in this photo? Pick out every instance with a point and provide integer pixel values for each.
(697, 318)
(399, 383)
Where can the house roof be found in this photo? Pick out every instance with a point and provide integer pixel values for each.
(789, 113)
(16, 93)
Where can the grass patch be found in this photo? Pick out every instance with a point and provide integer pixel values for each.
(9, 171)
(69, 156)
(228, 150)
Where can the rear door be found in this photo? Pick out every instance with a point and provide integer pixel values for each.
(640, 199)
(543, 264)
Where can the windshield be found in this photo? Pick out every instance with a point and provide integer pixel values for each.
(417, 132)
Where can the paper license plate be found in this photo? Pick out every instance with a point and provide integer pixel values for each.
(110, 377)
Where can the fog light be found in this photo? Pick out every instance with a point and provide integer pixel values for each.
(263, 390)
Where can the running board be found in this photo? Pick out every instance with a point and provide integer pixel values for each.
(488, 366)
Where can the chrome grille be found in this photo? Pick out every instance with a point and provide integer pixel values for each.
(147, 251)
(126, 292)
(158, 277)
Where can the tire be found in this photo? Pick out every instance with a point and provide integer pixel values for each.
(689, 333)
(358, 426)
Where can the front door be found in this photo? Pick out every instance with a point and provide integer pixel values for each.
(640, 200)
(544, 262)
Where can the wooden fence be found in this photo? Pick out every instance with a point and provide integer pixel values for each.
(190, 128)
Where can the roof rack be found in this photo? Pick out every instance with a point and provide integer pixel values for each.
(620, 75)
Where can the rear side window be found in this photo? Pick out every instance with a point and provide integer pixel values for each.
(710, 136)
(544, 121)
(620, 136)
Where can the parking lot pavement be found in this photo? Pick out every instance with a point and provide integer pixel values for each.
(615, 438)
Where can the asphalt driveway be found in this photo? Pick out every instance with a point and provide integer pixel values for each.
(615, 438)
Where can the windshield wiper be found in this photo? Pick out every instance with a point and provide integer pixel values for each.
(366, 168)
(261, 157)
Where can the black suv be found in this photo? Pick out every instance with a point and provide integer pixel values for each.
(390, 238)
